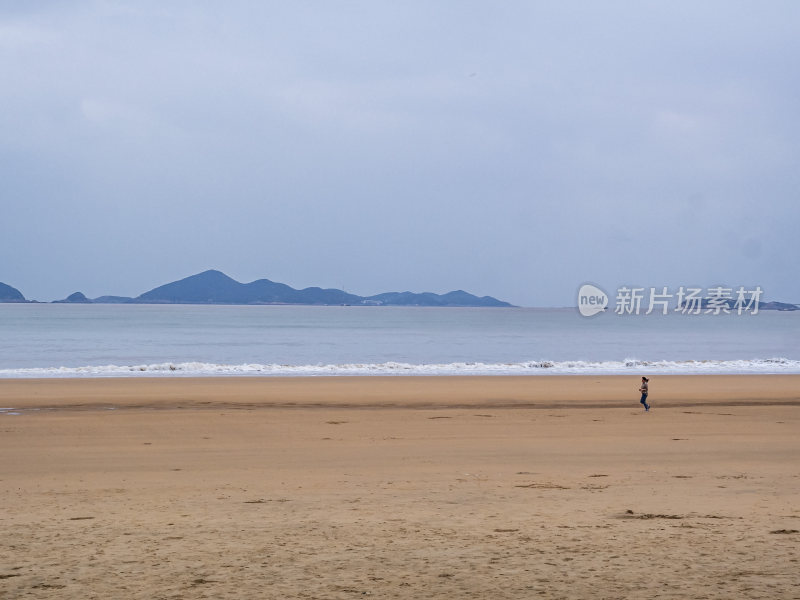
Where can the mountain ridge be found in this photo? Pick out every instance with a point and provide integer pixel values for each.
(10, 294)
(215, 287)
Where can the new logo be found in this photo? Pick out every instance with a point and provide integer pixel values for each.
(591, 300)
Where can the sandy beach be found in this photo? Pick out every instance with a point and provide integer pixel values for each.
(400, 487)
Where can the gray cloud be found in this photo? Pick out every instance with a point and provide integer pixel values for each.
(513, 150)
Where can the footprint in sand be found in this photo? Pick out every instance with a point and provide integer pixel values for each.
(543, 486)
(785, 531)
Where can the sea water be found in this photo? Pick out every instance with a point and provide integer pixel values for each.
(59, 340)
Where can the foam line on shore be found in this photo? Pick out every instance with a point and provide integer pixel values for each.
(776, 365)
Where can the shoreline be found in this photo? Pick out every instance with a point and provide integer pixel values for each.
(539, 368)
(398, 391)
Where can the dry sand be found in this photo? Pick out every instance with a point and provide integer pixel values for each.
(463, 487)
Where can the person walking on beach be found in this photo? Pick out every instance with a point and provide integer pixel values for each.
(643, 389)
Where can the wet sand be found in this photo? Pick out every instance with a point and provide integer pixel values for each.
(400, 487)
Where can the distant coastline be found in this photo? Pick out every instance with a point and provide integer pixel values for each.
(215, 287)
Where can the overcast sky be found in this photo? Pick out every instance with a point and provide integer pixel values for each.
(515, 149)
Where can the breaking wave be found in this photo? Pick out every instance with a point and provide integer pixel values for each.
(544, 367)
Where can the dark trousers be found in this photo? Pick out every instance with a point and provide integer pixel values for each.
(643, 401)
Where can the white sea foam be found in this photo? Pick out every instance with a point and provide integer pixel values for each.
(542, 367)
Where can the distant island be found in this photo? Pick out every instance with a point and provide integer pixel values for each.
(730, 304)
(214, 287)
(10, 294)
